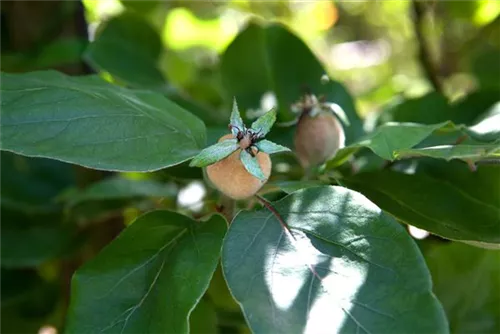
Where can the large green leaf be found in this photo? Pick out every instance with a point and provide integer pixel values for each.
(389, 138)
(428, 109)
(149, 279)
(438, 205)
(485, 63)
(369, 275)
(128, 47)
(85, 121)
(283, 64)
(448, 152)
(30, 246)
(434, 108)
(292, 185)
(31, 185)
(393, 141)
(467, 282)
(118, 187)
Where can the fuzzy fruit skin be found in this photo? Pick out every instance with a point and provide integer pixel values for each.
(318, 138)
(231, 178)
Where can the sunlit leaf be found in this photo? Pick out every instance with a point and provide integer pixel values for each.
(335, 274)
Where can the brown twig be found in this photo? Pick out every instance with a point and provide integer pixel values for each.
(424, 52)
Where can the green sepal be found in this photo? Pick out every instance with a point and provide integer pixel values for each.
(236, 121)
(269, 147)
(264, 123)
(252, 165)
(214, 153)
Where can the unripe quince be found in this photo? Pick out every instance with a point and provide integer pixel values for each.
(319, 134)
(239, 164)
(231, 178)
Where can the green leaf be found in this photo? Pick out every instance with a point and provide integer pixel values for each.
(236, 121)
(292, 186)
(31, 185)
(251, 164)
(434, 108)
(473, 106)
(280, 64)
(432, 204)
(357, 285)
(128, 47)
(484, 64)
(149, 279)
(31, 246)
(118, 187)
(429, 109)
(467, 282)
(265, 122)
(487, 128)
(393, 141)
(389, 138)
(214, 153)
(269, 147)
(483, 184)
(86, 121)
(448, 152)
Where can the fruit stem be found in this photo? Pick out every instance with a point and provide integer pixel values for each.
(227, 208)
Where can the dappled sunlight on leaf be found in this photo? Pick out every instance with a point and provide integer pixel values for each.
(331, 270)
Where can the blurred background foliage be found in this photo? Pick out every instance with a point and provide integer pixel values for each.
(392, 56)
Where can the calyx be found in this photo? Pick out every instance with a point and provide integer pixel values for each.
(249, 140)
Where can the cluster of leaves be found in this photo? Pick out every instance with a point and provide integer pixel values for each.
(331, 253)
